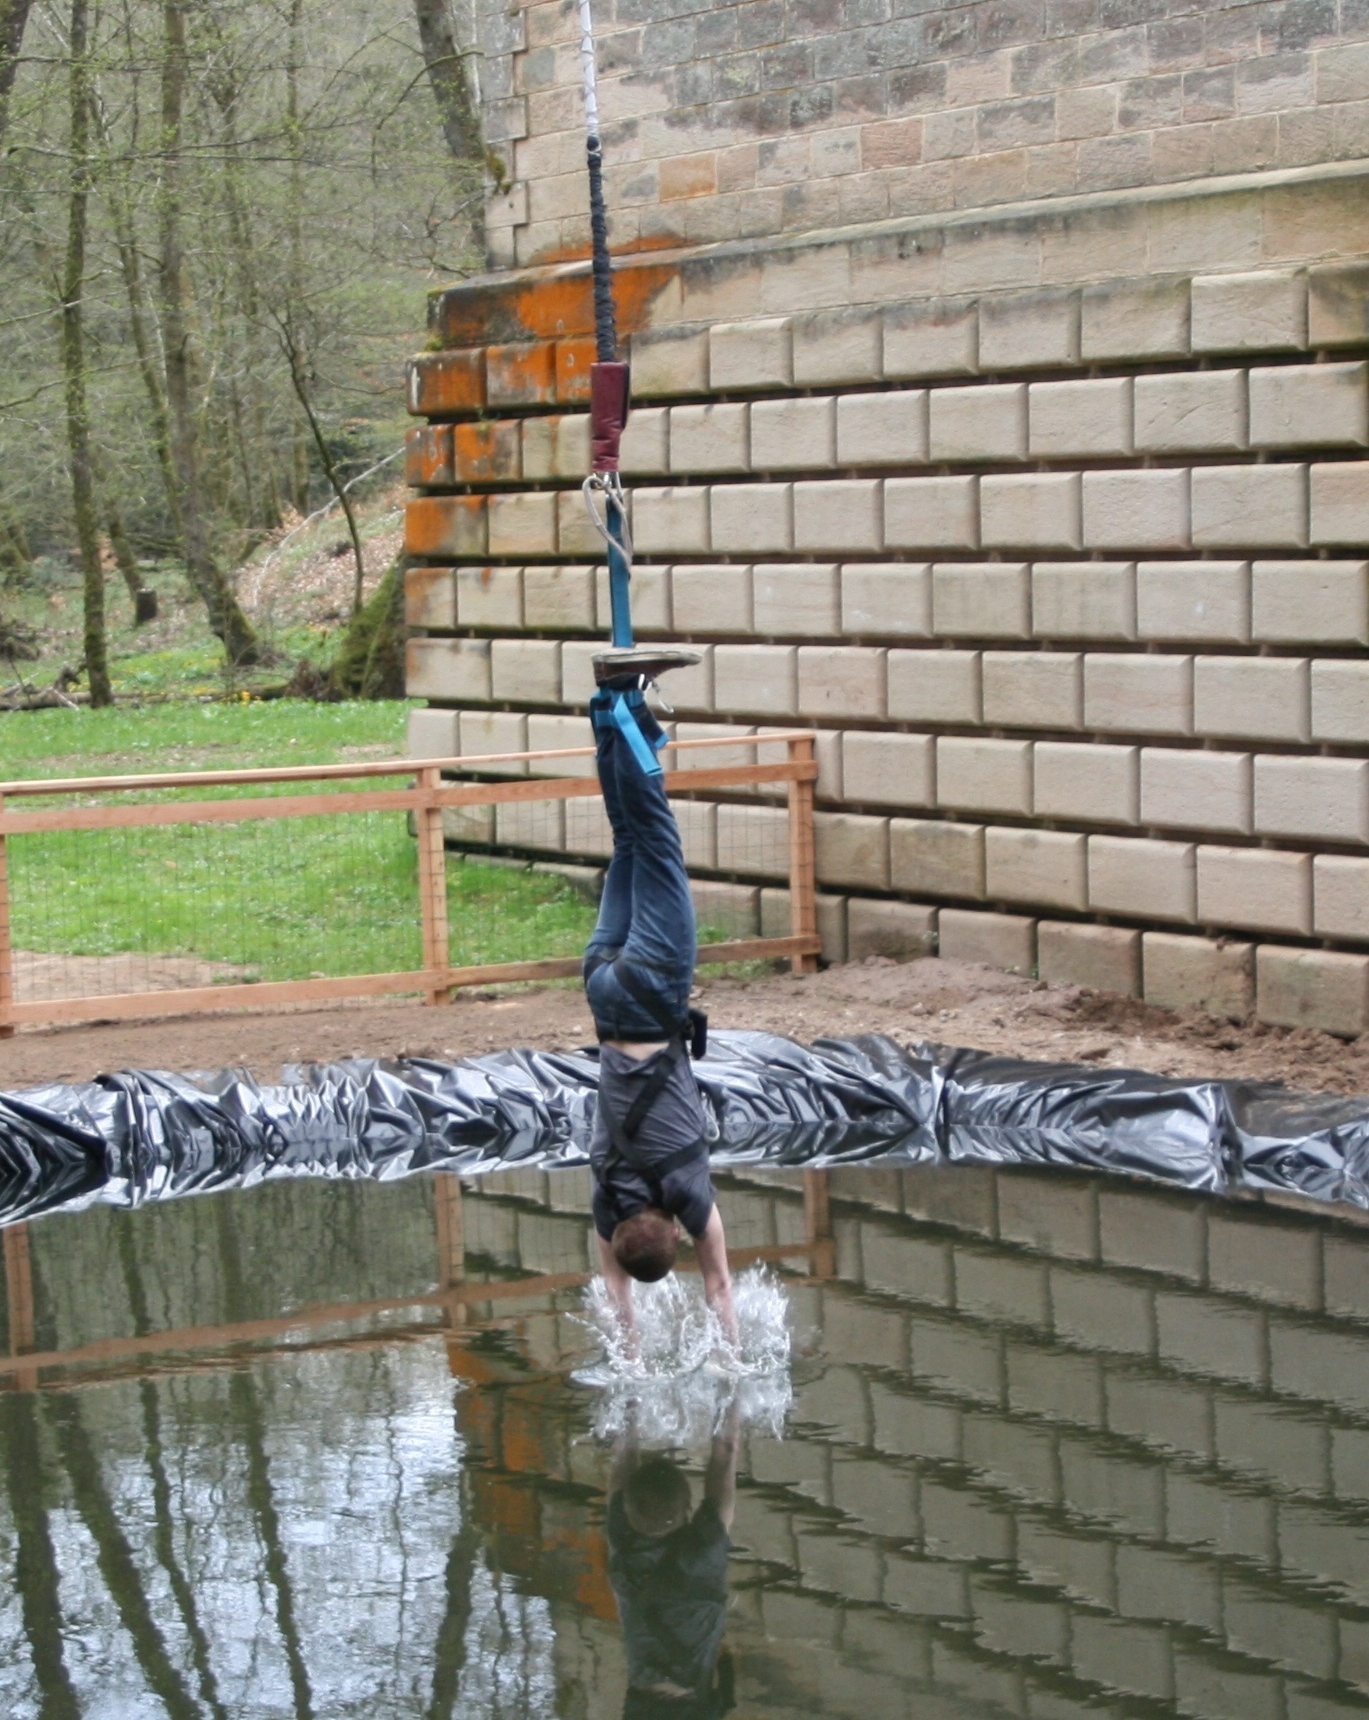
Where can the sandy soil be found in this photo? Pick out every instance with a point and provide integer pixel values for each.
(949, 1001)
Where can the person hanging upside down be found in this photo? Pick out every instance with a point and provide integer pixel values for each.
(649, 1154)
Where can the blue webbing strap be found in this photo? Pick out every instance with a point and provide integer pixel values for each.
(642, 749)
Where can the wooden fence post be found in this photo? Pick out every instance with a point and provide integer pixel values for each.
(451, 1240)
(803, 896)
(7, 1028)
(432, 880)
(817, 1215)
(19, 1300)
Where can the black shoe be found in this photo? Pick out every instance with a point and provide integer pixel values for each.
(637, 666)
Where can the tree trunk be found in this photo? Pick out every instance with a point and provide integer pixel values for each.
(74, 364)
(144, 598)
(14, 15)
(290, 347)
(451, 86)
(225, 614)
(299, 453)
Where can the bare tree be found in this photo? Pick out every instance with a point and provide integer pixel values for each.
(14, 14)
(451, 86)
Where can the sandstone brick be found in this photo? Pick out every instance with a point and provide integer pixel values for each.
(1322, 601)
(1264, 312)
(553, 446)
(1036, 511)
(832, 916)
(1104, 958)
(888, 769)
(726, 911)
(1317, 797)
(650, 600)
(1136, 510)
(1138, 694)
(1340, 895)
(751, 354)
(931, 513)
(852, 849)
(841, 681)
(711, 599)
(1260, 506)
(559, 599)
(793, 435)
(468, 826)
(826, 752)
(645, 449)
(1082, 780)
(982, 775)
(1199, 410)
(1259, 889)
(575, 533)
(1196, 790)
(979, 423)
(486, 451)
(1145, 319)
(902, 930)
(711, 758)
(894, 601)
(432, 734)
(938, 337)
(446, 382)
(837, 346)
(845, 514)
(523, 524)
(1338, 305)
(521, 374)
(1088, 600)
(669, 361)
(1033, 689)
(430, 597)
(670, 521)
(558, 734)
(438, 527)
(797, 598)
(490, 597)
(1202, 600)
(1312, 988)
(1029, 331)
(1195, 973)
(1257, 698)
(1142, 878)
(761, 680)
(1339, 503)
(751, 518)
(996, 940)
(1309, 406)
(588, 830)
(428, 456)
(929, 858)
(493, 732)
(934, 686)
(1340, 700)
(1087, 418)
(525, 671)
(1045, 868)
(697, 820)
(882, 429)
(711, 438)
(449, 669)
(989, 600)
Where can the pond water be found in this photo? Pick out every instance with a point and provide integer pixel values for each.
(1057, 1447)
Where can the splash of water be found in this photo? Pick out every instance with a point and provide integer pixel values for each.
(678, 1374)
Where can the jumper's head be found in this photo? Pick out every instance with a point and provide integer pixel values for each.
(657, 1497)
(644, 1245)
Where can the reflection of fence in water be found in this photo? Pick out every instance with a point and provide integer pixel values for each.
(308, 883)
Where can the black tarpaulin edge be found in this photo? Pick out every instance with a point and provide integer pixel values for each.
(139, 1135)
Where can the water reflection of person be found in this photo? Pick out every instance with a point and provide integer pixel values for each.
(668, 1567)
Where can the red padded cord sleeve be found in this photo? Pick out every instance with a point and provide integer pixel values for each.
(608, 410)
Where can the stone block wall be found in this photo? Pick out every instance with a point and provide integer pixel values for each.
(730, 121)
(1066, 566)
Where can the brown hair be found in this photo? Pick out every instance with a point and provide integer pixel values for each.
(644, 1245)
(657, 1497)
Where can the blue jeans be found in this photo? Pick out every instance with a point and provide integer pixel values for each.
(646, 913)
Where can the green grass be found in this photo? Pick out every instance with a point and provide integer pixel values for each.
(285, 899)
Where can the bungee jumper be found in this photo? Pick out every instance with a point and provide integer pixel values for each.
(649, 1153)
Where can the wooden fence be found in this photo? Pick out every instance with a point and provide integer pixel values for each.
(425, 799)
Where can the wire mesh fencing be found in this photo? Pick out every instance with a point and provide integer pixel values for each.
(133, 896)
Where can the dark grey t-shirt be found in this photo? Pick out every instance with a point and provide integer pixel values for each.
(675, 1120)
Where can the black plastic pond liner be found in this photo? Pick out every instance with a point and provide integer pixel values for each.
(138, 1136)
